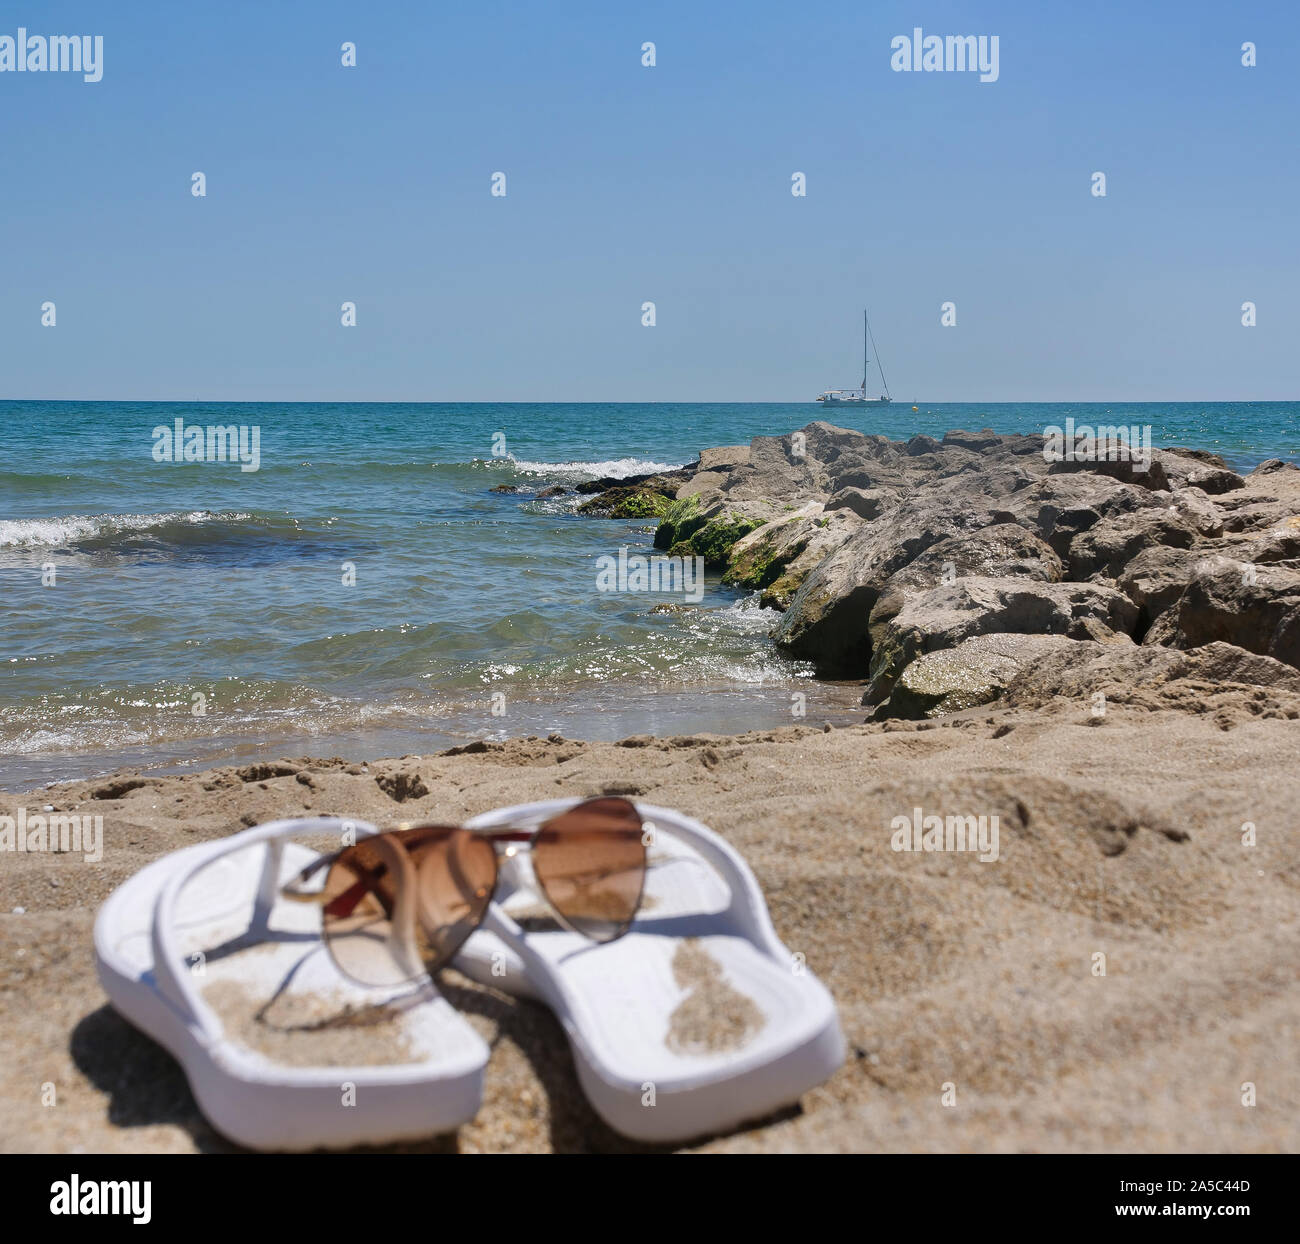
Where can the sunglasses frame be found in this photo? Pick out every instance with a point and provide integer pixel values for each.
(496, 836)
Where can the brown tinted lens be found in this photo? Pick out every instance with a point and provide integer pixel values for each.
(362, 917)
(456, 873)
(401, 904)
(590, 861)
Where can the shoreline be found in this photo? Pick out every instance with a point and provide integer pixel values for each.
(625, 710)
(142, 717)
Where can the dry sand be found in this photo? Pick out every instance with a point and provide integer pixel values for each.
(974, 981)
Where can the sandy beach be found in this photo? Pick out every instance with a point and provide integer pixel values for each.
(974, 982)
(1097, 661)
(723, 579)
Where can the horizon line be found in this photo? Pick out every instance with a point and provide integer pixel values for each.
(424, 401)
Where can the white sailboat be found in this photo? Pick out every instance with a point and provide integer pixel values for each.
(858, 397)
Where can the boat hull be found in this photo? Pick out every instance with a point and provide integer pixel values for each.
(855, 401)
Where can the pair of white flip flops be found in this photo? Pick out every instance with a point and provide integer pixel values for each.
(696, 1020)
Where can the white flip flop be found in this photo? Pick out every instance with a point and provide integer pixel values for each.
(211, 916)
(697, 1019)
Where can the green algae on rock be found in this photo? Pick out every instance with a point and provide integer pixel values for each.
(678, 521)
(636, 501)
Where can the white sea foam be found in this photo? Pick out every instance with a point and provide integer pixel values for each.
(612, 468)
(747, 615)
(69, 529)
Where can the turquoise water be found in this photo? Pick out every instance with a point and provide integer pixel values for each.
(174, 580)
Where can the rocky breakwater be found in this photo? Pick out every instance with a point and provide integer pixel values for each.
(950, 573)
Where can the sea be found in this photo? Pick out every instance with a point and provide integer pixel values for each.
(365, 592)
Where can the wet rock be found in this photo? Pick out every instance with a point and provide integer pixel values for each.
(710, 523)
(402, 785)
(776, 558)
(627, 501)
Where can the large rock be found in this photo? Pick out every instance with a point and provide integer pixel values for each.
(922, 444)
(1270, 497)
(1215, 480)
(1127, 470)
(944, 616)
(665, 482)
(843, 529)
(1002, 550)
(977, 442)
(1028, 671)
(1195, 468)
(703, 482)
(1141, 675)
(777, 557)
(723, 458)
(801, 466)
(977, 671)
(709, 523)
(1276, 543)
(1197, 508)
(1158, 576)
(1256, 607)
(1111, 543)
(828, 617)
(993, 477)
(874, 462)
(636, 501)
(1059, 507)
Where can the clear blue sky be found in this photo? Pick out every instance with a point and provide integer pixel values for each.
(670, 184)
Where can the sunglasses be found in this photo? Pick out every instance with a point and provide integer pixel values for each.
(402, 903)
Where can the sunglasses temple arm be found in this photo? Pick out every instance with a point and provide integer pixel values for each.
(291, 891)
(342, 905)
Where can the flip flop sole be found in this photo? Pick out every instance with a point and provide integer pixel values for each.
(269, 1097)
(699, 1019)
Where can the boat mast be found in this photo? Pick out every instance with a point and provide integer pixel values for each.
(871, 336)
(866, 332)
